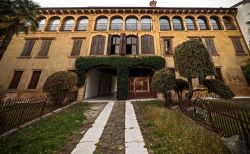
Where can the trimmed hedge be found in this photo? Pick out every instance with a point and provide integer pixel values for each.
(122, 64)
(218, 88)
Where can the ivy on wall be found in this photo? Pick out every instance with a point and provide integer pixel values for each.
(122, 64)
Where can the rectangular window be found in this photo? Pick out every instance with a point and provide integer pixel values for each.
(76, 49)
(115, 46)
(168, 46)
(34, 79)
(44, 48)
(237, 45)
(28, 46)
(210, 46)
(16, 79)
(218, 74)
(247, 79)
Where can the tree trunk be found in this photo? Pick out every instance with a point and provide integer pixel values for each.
(168, 98)
(190, 93)
(7, 38)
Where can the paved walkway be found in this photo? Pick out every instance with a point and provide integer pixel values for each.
(115, 131)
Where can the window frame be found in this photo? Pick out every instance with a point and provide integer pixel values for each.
(31, 82)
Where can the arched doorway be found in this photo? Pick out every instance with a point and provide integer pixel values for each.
(140, 79)
(101, 82)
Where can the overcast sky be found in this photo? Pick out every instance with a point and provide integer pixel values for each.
(161, 3)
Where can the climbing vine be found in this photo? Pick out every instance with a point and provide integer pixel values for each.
(122, 64)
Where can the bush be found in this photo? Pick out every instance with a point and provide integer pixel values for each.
(58, 86)
(218, 88)
(247, 72)
(163, 81)
(2, 95)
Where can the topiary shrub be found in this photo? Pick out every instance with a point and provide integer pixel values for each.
(247, 72)
(2, 94)
(163, 81)
(58, 86)
(192, 60)
(218, 88)
(180, 86)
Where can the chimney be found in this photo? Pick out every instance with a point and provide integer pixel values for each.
(152, 3)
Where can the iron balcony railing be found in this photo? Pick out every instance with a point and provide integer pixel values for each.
(203, 26)
(190, 26)
(165, 27)
(145, 26)
(101, 26)
(40, 27)
(131, 26)
(67, 27)
(53, 27)
(81, 27)
(178, 27)
(117, 26)
(230, 26)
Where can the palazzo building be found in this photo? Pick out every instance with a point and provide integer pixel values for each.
(64, 34)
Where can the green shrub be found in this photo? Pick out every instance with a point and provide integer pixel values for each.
(218, 88)
(58, 86)
(163, 81)
(192, 60)
(247, 72)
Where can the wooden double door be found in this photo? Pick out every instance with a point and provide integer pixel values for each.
(140, 87)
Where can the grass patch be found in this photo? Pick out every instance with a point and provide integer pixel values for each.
(167, 131)
(46, 135)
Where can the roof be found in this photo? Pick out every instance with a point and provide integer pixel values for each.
(240, 3)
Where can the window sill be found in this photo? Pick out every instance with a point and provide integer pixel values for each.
(215, 55)
(11, 91)
(73, 56)
(241, 54)
(41, 57)
(29, 90)
(24, 57)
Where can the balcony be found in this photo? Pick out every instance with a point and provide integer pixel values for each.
(190, 26)
(117, 26)
(82, 27)
(52, 28)
(178, 26)
(146, 26)
(101, 27)
(165, 27)
(131, 26)
(67, 27)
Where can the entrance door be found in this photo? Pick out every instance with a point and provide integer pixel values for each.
(140, 87)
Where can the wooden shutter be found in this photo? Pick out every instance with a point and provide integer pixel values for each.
(147, 44)
(76, 49)
(97, 45)
(16, 79)
(137, 45)
(237, 45)
(123, 44)
(210, 46)
(44, 48)
(109, 44)
(34, 80)
(29, 44)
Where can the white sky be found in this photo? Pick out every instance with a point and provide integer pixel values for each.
(143, 3)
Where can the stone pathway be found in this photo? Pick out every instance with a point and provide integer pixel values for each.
(133, 137)
(92, 136)
(113, 136)
(115, 131)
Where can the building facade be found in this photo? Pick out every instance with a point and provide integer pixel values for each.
(64, 34)
(243, 16)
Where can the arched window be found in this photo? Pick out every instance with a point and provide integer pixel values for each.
(53, 24)
(177, 22)
(228, 22)
(132, 44)
(82, 24)
(203, 23)
(215, 23)
(41, 24)
(131, 23)
(164, 24)
(147, 44)
(116, 23)
(97, 45)
(115, 44)
(68, 24)
(101, 23)
(190, 23)
(146, 23)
